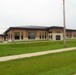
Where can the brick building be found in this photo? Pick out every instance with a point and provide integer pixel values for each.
(36, 33)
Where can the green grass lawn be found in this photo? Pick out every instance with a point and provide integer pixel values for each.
(1, 41)
(20, 48)
(63, 63)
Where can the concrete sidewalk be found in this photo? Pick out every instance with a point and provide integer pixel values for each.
(6, 58)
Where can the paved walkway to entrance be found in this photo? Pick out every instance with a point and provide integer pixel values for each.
(6, 58)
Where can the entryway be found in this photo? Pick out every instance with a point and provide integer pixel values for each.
(58, 37)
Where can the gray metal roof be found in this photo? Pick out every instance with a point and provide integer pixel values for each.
(36, 28)
(31, 27)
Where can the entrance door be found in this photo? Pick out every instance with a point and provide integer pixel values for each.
(57, 37)
(4, 38)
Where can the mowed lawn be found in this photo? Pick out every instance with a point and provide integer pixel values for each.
(35, 46)
(63, 63)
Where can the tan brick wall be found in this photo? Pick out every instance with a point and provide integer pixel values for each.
(25, 33)
(17, 30)
(73, 33)
(37, 32)
(54, 33)
(54, 30)
(1, 38)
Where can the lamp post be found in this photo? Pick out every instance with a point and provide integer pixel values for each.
(64, 23)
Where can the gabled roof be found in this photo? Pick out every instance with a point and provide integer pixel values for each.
(56, 27)
(59, 27)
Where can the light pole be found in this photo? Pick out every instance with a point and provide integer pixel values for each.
(64, 23)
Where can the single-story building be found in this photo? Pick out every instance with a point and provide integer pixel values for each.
(36, 33)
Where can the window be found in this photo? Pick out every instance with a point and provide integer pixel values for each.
(4, 38)
(58, 37)
(21, 35)
(45, 35)
(31, 35)
(9, 36)
(69, 35)
(50, 36)
(42, 35)
(17, 35)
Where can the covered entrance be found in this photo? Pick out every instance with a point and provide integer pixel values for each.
(58, 37)
(4, 38)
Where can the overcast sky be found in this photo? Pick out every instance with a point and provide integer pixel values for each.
(36, 12)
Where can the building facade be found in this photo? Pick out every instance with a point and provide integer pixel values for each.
(36, 33)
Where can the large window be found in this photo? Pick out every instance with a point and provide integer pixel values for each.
(10, 36)
(45, 35)
(17, 35)
(31, 35)
(21, 35)
(58, 37)
(42, 35)
(50, 36)
(4, 38)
